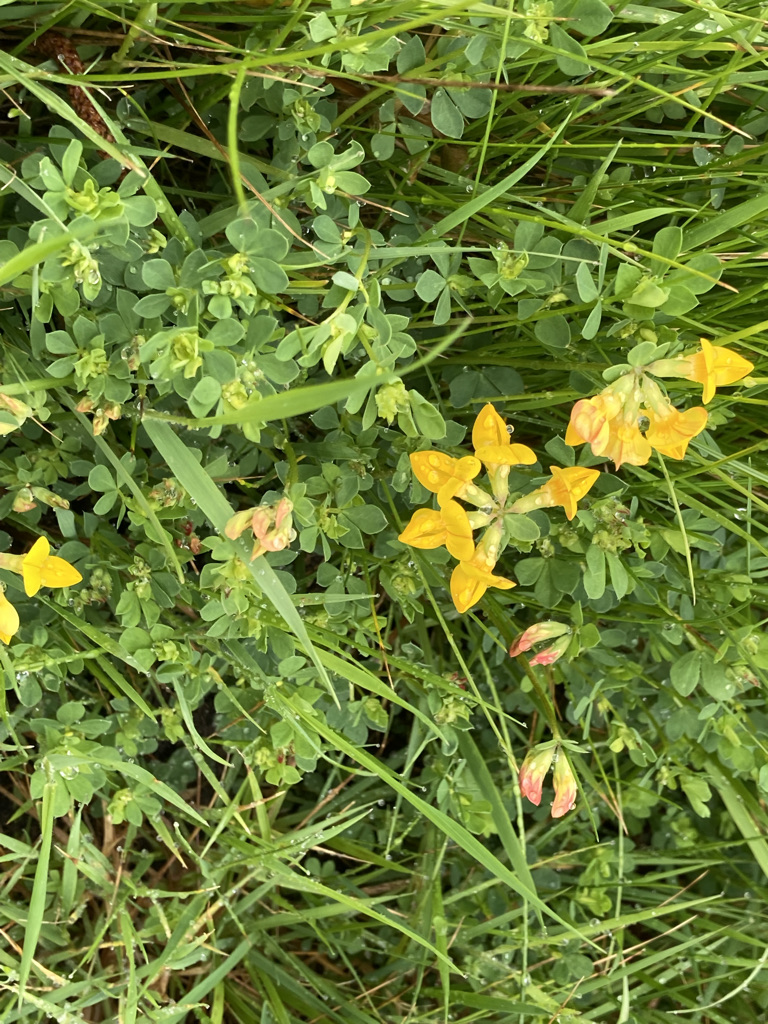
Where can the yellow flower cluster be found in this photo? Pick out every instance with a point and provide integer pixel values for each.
(38, 568)
(452, 480)
(632, 416)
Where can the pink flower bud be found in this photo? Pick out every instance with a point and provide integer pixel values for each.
(535, 634)
(565, 787)
(534, 768)
(551, 654)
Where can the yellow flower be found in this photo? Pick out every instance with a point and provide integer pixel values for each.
(431, 529)
(671, 434)
(715, 367)
(39, 568)
(470, 580)
(492, 443)
(9, 619)
(566, 487)
(445, 476)
(669, 430)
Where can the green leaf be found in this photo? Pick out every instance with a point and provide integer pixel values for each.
(215, 507)
(562, 41)
(100, 479)
(594, 573)
(685, 673)
(445, 115)
(429, 285)
(554, 331)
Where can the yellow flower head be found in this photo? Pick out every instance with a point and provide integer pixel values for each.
(443, 475)
(9, 619)
(492, 443)
(39, 568)
(431, 529)
(566, 488)
(471, 579)
(715, 367)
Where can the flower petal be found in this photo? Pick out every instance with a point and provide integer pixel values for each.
(57, 572)
(435, 469)
(489, 429)
(716, 366)
(9, 619)
(506, 455)
(458, 531)
(426, 529)
(466, 589)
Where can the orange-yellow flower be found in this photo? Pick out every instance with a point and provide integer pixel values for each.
(9, 619)
(566, 488)
(447, 477)
(449, 526)
(39, 568)
(715, 367)
(565, 787)
(609, 423)
(492, 443)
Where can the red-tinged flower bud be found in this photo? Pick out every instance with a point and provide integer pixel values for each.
(534, 768)
(546, 630)
(565, 787)
(551, 654)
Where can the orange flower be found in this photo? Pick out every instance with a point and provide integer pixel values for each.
(566, 487)
(431, 529)
(565, 787)
(534, 768)
(715, 367)
(591, 418)
(492, 443)
(448, 477)
(39, 568)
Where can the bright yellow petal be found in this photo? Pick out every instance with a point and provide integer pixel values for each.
(434, 469)
(9, 619)
(57, 572)
(38, 553)
(670, 434)
(425, 530)
(466, 588)
(569, 486)
(506, 455)
(458, 531)
(715, 367)
(489, 429)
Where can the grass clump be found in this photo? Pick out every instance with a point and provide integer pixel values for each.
(276, 278)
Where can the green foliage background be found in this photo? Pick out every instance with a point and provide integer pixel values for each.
(324, 235)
